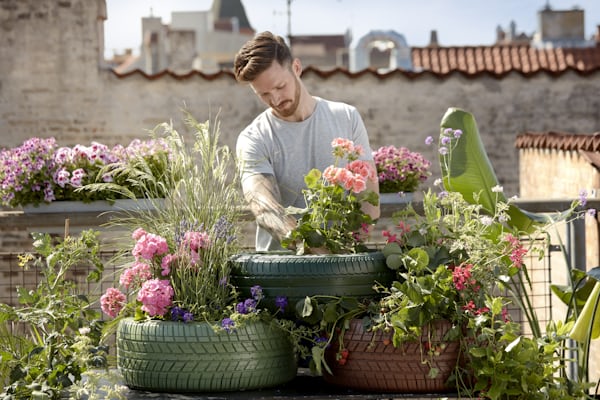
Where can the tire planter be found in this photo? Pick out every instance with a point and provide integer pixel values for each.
(296, 276)
(165, 356)
(374, 364)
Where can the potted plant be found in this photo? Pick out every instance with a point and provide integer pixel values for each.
(444, 325)
(41, 176)
(331, 255)
(181, 326)
(400, 172)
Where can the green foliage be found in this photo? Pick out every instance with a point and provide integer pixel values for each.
(503, 364)
(53, 336)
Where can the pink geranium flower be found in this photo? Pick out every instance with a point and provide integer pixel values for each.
(112, 302)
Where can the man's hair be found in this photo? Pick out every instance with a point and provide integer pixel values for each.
(258, 54)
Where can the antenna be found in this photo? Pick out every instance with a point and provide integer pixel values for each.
(289, 21)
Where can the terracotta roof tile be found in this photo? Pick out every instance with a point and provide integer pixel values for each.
(470, 60)
(500, 60)
(559, 141)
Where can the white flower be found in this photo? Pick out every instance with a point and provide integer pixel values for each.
(437, 182)
(497, 189)
(486, 220)
(84, 330)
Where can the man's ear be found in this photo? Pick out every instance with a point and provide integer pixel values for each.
(297, 67)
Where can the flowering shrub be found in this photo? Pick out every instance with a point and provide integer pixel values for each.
(40, 171)
(399, 169)
(333, 218)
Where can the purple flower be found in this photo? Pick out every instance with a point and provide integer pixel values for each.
(591, 212)
(458, 133)
(250, 305)
(241, 308)
(176, 313)
(443, 151)
(257, 292)
(187, 316)
(281, 302)
(428, 140)
(228, 324)
(583, 197)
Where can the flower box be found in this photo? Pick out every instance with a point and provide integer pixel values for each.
(94, 206)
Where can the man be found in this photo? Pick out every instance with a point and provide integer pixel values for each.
(288, 139)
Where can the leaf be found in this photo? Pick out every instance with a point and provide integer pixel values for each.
(307, 307)
(312, 177)
(330, 315)
(394, 261)
(318, 355)
(588, 323)
(512, 344)
(468, 170)
(391, 248)
(594, 273)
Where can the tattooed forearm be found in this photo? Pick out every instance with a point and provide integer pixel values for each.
(262, 194)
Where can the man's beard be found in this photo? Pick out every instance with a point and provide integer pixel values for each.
(291, 105)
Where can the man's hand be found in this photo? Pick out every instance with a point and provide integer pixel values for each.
(262, 193)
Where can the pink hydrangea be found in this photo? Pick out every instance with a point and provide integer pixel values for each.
(135, 275)
(112, 302)
(150, 245)
(156, 296)
(166, 262)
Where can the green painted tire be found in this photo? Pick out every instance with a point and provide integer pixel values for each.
(166, 356)
(299, 276)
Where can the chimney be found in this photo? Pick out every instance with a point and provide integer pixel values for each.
(433, 39)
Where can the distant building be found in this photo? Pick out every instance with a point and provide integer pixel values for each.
(196, 40)
(207, 41)
(556, 29)
(324, 51)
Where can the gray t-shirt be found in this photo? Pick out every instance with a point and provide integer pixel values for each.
(288, 150)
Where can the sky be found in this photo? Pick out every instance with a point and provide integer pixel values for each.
(457, 22)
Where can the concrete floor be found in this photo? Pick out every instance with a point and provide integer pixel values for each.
(304, 386)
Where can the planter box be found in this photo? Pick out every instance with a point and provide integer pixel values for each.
(94, 206)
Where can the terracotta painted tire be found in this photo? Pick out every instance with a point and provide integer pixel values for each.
(374, 364)
(299, 276)
(165, 356)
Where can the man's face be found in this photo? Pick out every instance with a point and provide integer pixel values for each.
(279, 88)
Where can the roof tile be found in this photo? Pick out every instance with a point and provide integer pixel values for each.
(558, 141)
(503, 59)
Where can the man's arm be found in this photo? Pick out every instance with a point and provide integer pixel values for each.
(262, 194)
